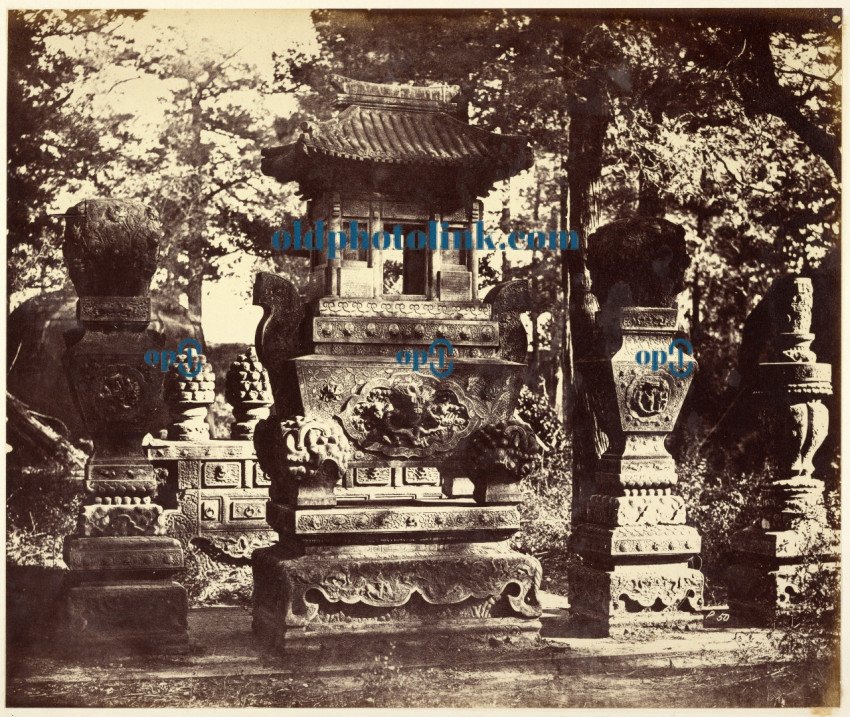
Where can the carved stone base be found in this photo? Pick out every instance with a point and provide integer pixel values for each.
(606, 544)
(761, 597)
(659, 595)
(807, 539)
(99, 558)
(334, 593)
(125, 616)
(772, 571)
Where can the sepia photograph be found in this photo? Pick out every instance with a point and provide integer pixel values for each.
(423, 358)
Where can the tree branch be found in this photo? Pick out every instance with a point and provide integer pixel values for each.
(766, 96)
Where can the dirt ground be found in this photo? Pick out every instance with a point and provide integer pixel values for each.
(549, 684)
(716, 666)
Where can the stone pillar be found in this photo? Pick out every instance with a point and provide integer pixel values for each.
(248, 391)
(119, 590)
(472, 255)
(633, 541)
(376, 255)
(774, 559)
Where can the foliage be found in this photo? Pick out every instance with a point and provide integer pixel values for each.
(753, 183)
(720, 500)
(202, 174)
(197, 164)
(53, 55)
(808, 638)
(41, 505)
(726, 127)
(534, 408)
(212, 578)
(545, 510)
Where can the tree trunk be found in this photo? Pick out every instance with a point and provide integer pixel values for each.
(564, 366)
(588, 124)
(194, 293)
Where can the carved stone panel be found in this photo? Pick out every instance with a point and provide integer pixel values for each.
(261, 480)
(222, 474)
(211, 509)
(247, 509)
(411, 415)
(373, 476)
(421, 476)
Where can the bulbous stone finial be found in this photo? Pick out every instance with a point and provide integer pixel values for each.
(111, 246)
(643, 259)
(247, 389)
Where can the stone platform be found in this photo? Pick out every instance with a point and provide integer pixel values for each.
(465, 593)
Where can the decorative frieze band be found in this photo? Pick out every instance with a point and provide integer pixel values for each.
(402, 308)
(125, 553)
(401, 519)
(109, 309)
(407, 331)
(637, 540)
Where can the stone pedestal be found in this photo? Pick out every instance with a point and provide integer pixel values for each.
(366, 547)
(119, 594)
(119, 590)
(635, 547)
(775, 561)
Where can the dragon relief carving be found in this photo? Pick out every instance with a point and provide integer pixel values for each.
(305, 457)
(99, 520)
(411, 416)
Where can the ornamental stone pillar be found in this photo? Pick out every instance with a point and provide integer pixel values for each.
(774, 559)
(635, 547)
(119, 589)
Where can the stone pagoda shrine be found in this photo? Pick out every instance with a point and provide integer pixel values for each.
(393, 492)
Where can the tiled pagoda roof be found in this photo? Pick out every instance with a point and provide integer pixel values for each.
(399, 124)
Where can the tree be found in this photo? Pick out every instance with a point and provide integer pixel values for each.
(52, 56)
(199, 166)
(202, 170)
(724, 121)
